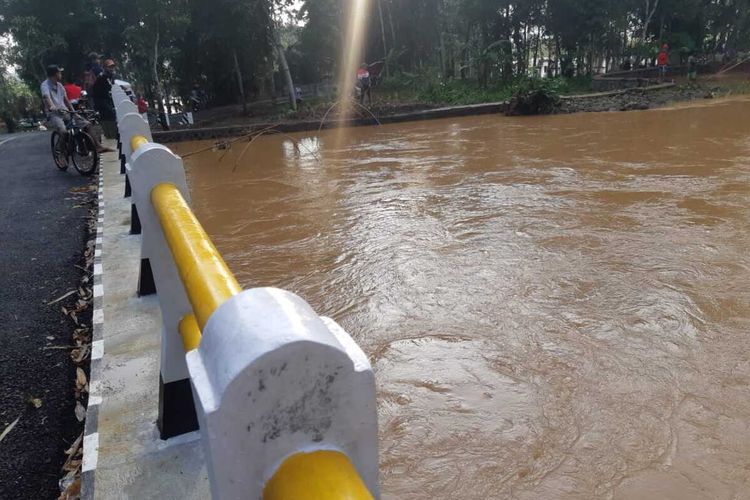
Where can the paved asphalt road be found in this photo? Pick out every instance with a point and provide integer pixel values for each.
(42, 238)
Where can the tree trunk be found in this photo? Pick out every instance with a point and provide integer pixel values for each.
(393, 29)
(240, 82)
(443, 56)
(382, 34)
(661, 29)
(285, 70)
(441, 38)
(649, 15)
(157, 82)
(10, 123)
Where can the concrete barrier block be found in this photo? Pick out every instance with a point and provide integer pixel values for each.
(132, 124)
(124, 107)
(150, 165)
(271, 378)
(118, 95)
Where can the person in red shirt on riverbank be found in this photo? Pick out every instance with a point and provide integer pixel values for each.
(142, 105)
(662, 61)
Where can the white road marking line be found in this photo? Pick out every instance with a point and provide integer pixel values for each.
(8, 140)
(97, 349)
(90, 452)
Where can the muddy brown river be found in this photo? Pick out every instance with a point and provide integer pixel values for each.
(555, 307)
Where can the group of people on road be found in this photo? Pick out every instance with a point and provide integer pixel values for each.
(59, 109)
(61, 102)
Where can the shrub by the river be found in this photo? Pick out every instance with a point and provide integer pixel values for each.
(536, 97)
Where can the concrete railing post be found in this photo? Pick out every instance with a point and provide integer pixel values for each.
(122, 108)
(130, 125)
(117, 95)
(273, 380)
(153, 164)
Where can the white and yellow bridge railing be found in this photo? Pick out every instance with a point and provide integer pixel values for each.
(284, 399)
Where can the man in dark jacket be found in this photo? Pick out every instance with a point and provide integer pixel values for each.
(92, 71)
(101, 93)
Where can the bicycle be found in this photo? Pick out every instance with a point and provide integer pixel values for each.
(75, 145)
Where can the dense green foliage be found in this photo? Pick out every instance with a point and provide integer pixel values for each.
(17, 100)
(448, 50)
(489, 41)
(161, 45)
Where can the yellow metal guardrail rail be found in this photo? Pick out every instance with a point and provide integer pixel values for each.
(208, 283)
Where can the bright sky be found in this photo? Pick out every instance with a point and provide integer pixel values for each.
(6, 41)
(296, 5)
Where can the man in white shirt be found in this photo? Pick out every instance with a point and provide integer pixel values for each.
(56, 103)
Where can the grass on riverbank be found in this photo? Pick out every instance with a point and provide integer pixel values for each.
(407, 93)
(462, 92)
(411, 90)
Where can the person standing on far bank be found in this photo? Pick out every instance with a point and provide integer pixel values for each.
(662, 61)
(692, 68)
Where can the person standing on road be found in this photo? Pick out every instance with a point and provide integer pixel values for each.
(101, 91)
(92, 71)
(101, 94)
(57, 106)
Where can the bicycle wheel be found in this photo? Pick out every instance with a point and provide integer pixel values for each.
(85, 156)
(59, 156)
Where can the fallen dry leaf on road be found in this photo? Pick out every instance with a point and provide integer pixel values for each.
(9, 428)
(37, 402)
(80, 411)
(80, 378)
(73, 489)
(70, 483)
(74, 447)
(61, 297)
(78, 355)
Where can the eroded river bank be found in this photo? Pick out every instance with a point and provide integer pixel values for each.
(555, 307)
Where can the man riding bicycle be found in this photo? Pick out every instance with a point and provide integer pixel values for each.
(58, 108)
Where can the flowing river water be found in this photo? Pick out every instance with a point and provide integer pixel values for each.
(555, 307)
